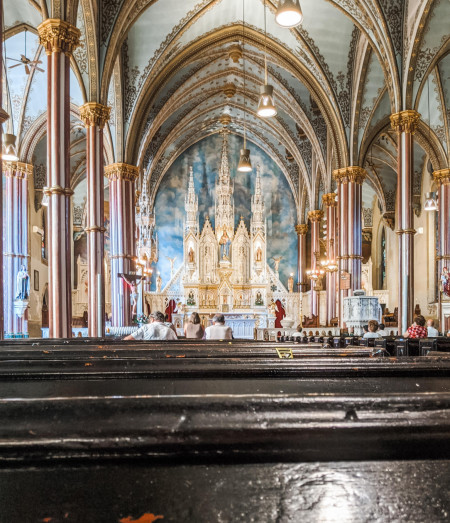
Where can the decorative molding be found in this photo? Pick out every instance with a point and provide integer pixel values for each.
(405, 121)
(302, 228)
(58, 36)
(122, 171)
(442, 177)
(330, 199)
(17, 169)
(315, 216)
(353, 174)
(94, 114)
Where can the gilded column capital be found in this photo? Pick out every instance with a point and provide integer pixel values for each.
(302, 228)
(3, 116)
(442, 177)
(353, 173)
(58, 36)
(17, 169)
(315, 216)
(405, 121)
(94, 114)
(330, 199)
(122, 171)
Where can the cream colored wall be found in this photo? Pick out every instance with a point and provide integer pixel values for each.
(35, 306)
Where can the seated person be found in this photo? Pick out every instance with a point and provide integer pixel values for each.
(298, 332)
(156, 329)
(193, 328)
(365, 329)
(417, 329)
(218, 330)
(432, 332)
(381, 330)
(372, 328)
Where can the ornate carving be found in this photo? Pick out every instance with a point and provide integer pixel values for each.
(17, 169)
(442, 177)
(405, 121)
(94, 114)
(315, 216)
(302, 228)
(329, 199)
(3, 116)
(58, 36)
(229, 89)
(353, 173)
(122, 171)
(225, 119)
(389, 219)
(235, 53)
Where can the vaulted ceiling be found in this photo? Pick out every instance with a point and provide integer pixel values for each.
(163, 66)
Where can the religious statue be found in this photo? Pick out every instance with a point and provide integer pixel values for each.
(273, 309)
(158, 283)
(172, 263)
(191, 255)
(277, 262)
(180, 307)
(22, 284)
(445, 281)
(291, 283)
(225, 244)
(191, 299)
(258, 255)
(259, 300)
(133, 293)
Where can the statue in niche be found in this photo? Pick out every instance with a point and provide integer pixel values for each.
(225, 244)
(258, 255)
(259, 300)
(22, 284)
(191, 299)
(445, 281)
(191, 255)
(158, 283)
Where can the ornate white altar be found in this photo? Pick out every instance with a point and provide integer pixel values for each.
(358, 310)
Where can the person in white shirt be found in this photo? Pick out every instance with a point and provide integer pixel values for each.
(432, 332)
(381, 330)
(155, 330)
(373, 327)
(218, 330)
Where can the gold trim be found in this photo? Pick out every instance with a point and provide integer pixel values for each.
(57, 189)
(302, 228)
(58, 36)
(20, 169)
(405, 121)
(315, 216)
(122, 171)
(330, 199)
(353, 173)
(94, 228)
(350, 257)
(442, 177)
(3, 116)
(121, 256)
(94, 114)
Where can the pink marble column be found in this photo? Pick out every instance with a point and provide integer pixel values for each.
(59, 39)
(442, 179)
(405, 123)
(16, 241)
(349, 181)
(315, 217)
(95, 117)
(122, 232)
(330, 203)
(301, 231)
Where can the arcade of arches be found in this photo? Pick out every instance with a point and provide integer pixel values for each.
(122, 123)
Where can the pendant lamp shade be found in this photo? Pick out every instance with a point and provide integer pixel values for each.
(244, 165)
(430, 202)
(266, 106)
(289, 13)
(9, 152)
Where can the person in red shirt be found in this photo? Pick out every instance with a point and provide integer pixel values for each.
(417, 329)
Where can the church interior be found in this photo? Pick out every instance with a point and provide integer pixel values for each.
(285, 163)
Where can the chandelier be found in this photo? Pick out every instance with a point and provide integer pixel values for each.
(266, 106)
(329, 265)
(289, 13)
(315, 274)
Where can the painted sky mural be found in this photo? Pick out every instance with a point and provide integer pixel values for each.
(204, 157)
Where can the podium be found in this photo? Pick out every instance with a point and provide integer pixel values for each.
(358, 310)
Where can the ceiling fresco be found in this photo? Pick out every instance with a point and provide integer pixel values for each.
(162, 66)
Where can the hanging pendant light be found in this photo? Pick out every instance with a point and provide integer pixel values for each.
(430, 202)
(266, 105)
(9, 152)
(244, 165)
(289, 13)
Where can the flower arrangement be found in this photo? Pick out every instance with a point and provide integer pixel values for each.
(141, 319)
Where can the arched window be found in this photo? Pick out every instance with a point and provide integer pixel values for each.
(383, 258)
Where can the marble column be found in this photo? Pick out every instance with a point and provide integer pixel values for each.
(3, 117)
(442, 179)
(60, 39)
(301, 231)
(315, 217)
(405, 123)
(330, 203)
(95, 117)
(349, 183)
(15, 241)
(122, 232)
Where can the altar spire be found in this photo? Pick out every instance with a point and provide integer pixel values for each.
(191, 205)
(257, 204)
(224, 195)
